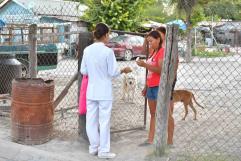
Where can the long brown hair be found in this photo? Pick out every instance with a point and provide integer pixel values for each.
(162, 29)
(156, 34)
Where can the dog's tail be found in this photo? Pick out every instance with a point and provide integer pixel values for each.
(196, 101)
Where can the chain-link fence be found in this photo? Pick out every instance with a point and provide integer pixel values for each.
(128, 105)
(59, 27)
(213, 75)
(55, 61)
(128, 108)
(56, 42)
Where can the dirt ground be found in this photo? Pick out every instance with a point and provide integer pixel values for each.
(74, 148)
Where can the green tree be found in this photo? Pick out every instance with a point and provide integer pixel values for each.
(197, 15)
(118, 14)
(186, 7)
(81, 1)
(224, 9)
(155, 12)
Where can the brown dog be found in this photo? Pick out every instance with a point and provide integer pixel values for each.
(186, 98)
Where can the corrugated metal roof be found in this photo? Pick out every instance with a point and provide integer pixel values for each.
(153, 24)
(210, 23)
(232, 25)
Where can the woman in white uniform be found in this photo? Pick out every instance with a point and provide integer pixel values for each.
(99, 63)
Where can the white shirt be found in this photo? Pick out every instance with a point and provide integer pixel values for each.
(99, 63)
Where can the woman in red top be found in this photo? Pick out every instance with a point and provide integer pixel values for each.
(153, 65)
(150, 91)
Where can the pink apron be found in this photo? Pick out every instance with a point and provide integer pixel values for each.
(82, 95)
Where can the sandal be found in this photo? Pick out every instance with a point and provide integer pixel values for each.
(145, 143)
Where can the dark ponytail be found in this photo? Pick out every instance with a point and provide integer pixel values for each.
(101, 30)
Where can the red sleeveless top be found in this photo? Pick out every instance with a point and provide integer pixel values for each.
(153, 79)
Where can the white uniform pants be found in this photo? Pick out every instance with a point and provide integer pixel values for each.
(98, 125)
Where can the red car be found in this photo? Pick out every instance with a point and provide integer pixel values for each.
(127, 46)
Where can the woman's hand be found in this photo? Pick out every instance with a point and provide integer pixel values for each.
(126, 70)
(143, 92)
(141, 63)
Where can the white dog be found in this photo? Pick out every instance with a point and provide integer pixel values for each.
(129, 87)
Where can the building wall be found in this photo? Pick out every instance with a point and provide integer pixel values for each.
(45, 19)
(14, 13)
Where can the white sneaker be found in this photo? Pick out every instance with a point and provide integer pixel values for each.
(93, 153)
(107, 155)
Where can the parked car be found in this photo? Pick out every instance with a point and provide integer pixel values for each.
(127, 46)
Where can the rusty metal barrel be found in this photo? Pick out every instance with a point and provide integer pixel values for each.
(32, 110)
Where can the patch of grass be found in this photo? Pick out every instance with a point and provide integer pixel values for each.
(210, 54)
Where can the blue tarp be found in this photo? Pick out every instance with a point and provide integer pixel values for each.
(2, 24)
(180, 24)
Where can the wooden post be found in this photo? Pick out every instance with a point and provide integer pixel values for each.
(188, 52)
(10, 35)
(32, 50)
(22, 36)
(65, 90)
(52, 37)
(145, 104)
(84, 40)
(41, 33)
(164, 93)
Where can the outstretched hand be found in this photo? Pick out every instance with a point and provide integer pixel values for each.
(141, 63)
(143, 92)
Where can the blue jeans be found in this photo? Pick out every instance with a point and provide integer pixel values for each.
(152, 92)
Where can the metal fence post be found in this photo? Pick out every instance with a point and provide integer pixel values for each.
(164, 93)
(85, 39)
(32, 50)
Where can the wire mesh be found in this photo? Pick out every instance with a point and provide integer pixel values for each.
(66, 113)
(57, 60)
(128, 104)
(55, 53)
(213, 77)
